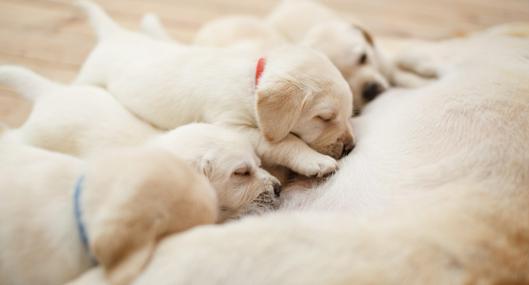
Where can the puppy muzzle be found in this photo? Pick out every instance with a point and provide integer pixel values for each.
(277, 188)
(371, 90)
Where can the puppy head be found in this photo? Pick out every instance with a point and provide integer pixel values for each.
(266, 201)
(133, 198)
(352, 50)
(227, 158)
(240, 183)
(301, 92)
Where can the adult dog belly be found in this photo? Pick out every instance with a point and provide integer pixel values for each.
(469, 127)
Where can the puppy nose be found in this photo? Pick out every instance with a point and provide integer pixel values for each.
(347, 148)
(277, 189)
(371, 90)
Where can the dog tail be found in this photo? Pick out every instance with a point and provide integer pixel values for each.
(24, 81)
(101, 22)
(153, 27)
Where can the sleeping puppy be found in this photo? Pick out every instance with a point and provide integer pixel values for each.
(60, 215)
(290, 102)
(349, 47)
(82, 120)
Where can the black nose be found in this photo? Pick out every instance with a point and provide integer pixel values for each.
(277, 189)
(371, 90)
(347, 148)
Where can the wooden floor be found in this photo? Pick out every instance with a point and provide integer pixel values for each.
(53, 38)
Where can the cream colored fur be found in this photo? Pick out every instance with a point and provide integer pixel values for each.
(169, 85)
(309, 23)
(435, 193)
(83, 120)
(130, 199)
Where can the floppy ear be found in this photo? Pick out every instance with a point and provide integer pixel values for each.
(278, 107)
(124, 246)
(366, 34)
(203, 165)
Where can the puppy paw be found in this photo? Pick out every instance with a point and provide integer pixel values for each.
(420, 65)
(317, 166)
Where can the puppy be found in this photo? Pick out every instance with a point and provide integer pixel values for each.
(82, 120)
(349, 47)
(60, 215)
(289, 103)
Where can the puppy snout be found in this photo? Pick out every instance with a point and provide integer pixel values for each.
(277, 188)
(348, 145)
(371, 90)
(347, 148)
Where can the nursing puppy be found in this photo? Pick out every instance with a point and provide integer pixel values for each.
(59, 215)
(284, 102)
(82, 120)
(349, 47)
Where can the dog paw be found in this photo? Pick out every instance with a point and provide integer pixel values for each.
(319, 166)
(420, 65)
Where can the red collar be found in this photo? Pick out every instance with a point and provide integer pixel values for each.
(259, 69)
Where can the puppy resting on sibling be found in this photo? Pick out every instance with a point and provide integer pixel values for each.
(83, 120)
(307, 23)
(299, 103)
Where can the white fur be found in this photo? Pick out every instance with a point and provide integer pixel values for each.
(458, 129)
(151, 25)
(39, 237)
(170, 85)
(435, 192)
(83, 120)
(309, 23)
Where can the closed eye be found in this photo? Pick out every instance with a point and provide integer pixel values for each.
(326, 118)
(363, 59)
(243, 171)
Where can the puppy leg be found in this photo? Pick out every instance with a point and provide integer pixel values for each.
(152, 27)
(294, 154)
(405, 79)
(418, 64)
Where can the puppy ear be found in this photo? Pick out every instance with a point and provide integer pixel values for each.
(124, 244)
(366, 34)
(203, 165)
(278, 107)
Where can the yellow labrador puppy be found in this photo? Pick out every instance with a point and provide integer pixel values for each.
(60, 215)
(289, 102)
(308, 23)
(82, 120)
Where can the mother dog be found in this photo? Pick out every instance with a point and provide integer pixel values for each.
(437, 193)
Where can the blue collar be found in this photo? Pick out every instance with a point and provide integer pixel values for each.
(79, 218)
